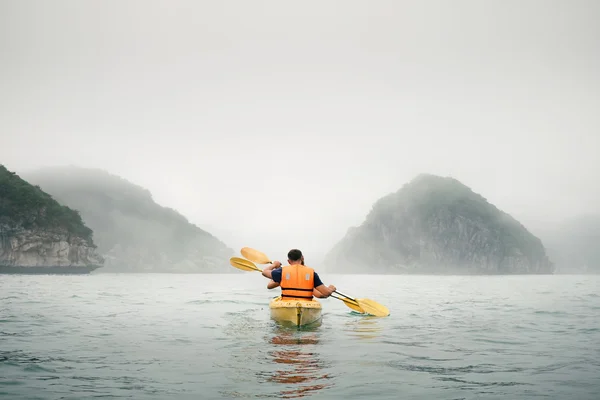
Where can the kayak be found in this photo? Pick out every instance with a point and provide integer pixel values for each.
(295, 312)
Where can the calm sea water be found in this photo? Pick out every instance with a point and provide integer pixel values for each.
(210, 337)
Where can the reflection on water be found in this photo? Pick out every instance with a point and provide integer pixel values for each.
(365, 327)
(298, 365)
(286, 362)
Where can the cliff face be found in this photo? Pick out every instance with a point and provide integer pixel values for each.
(133, 233)
(37, 234)
(42, 248)
(438, 225)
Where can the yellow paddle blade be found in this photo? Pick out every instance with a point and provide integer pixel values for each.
(353, 305)
(244, 265)
(350, 303)
(255, 255)
(374, 308)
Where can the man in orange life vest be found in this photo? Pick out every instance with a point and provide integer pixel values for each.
(296, 280)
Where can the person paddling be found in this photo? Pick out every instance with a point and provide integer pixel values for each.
(297, 281)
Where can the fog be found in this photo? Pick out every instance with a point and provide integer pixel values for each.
(276, 125)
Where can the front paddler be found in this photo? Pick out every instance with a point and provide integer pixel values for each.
(297, 281)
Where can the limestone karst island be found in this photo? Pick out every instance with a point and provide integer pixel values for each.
(78, 220)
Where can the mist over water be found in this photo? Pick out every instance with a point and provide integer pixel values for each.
(219, 109)
(153, 336)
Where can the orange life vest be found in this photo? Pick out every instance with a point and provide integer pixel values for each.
(297, 282)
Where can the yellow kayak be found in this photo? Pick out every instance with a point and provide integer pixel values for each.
(295, 312)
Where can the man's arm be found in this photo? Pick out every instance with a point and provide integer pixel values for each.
(266, 272)
(324, 291)
(321, 290)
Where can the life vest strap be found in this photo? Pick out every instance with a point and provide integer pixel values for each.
(301, 297)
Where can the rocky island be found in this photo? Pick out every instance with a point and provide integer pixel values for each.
(437, 225)
(40, 236)
(132, 231)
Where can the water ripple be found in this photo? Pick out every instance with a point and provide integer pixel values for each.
(186, 336)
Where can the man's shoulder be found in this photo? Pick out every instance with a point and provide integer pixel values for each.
(276, 274)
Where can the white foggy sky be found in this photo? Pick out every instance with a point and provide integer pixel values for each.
(277, 124)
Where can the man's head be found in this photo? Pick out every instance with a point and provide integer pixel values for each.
(295, 257)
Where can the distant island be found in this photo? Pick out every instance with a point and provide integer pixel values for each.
(78, 220)
(39, 235)
(133, 232)
(437, 225)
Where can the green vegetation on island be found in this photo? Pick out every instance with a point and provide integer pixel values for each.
(29, 207)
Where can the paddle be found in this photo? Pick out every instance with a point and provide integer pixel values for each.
(369, 306)
(350, 303)
(255, 255)
(365, 306)
(243, 264)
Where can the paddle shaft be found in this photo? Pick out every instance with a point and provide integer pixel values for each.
(346, 300)
(348, 297)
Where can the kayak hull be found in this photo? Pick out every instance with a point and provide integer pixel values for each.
(295, 312)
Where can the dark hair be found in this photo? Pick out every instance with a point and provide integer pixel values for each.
(294, 255)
